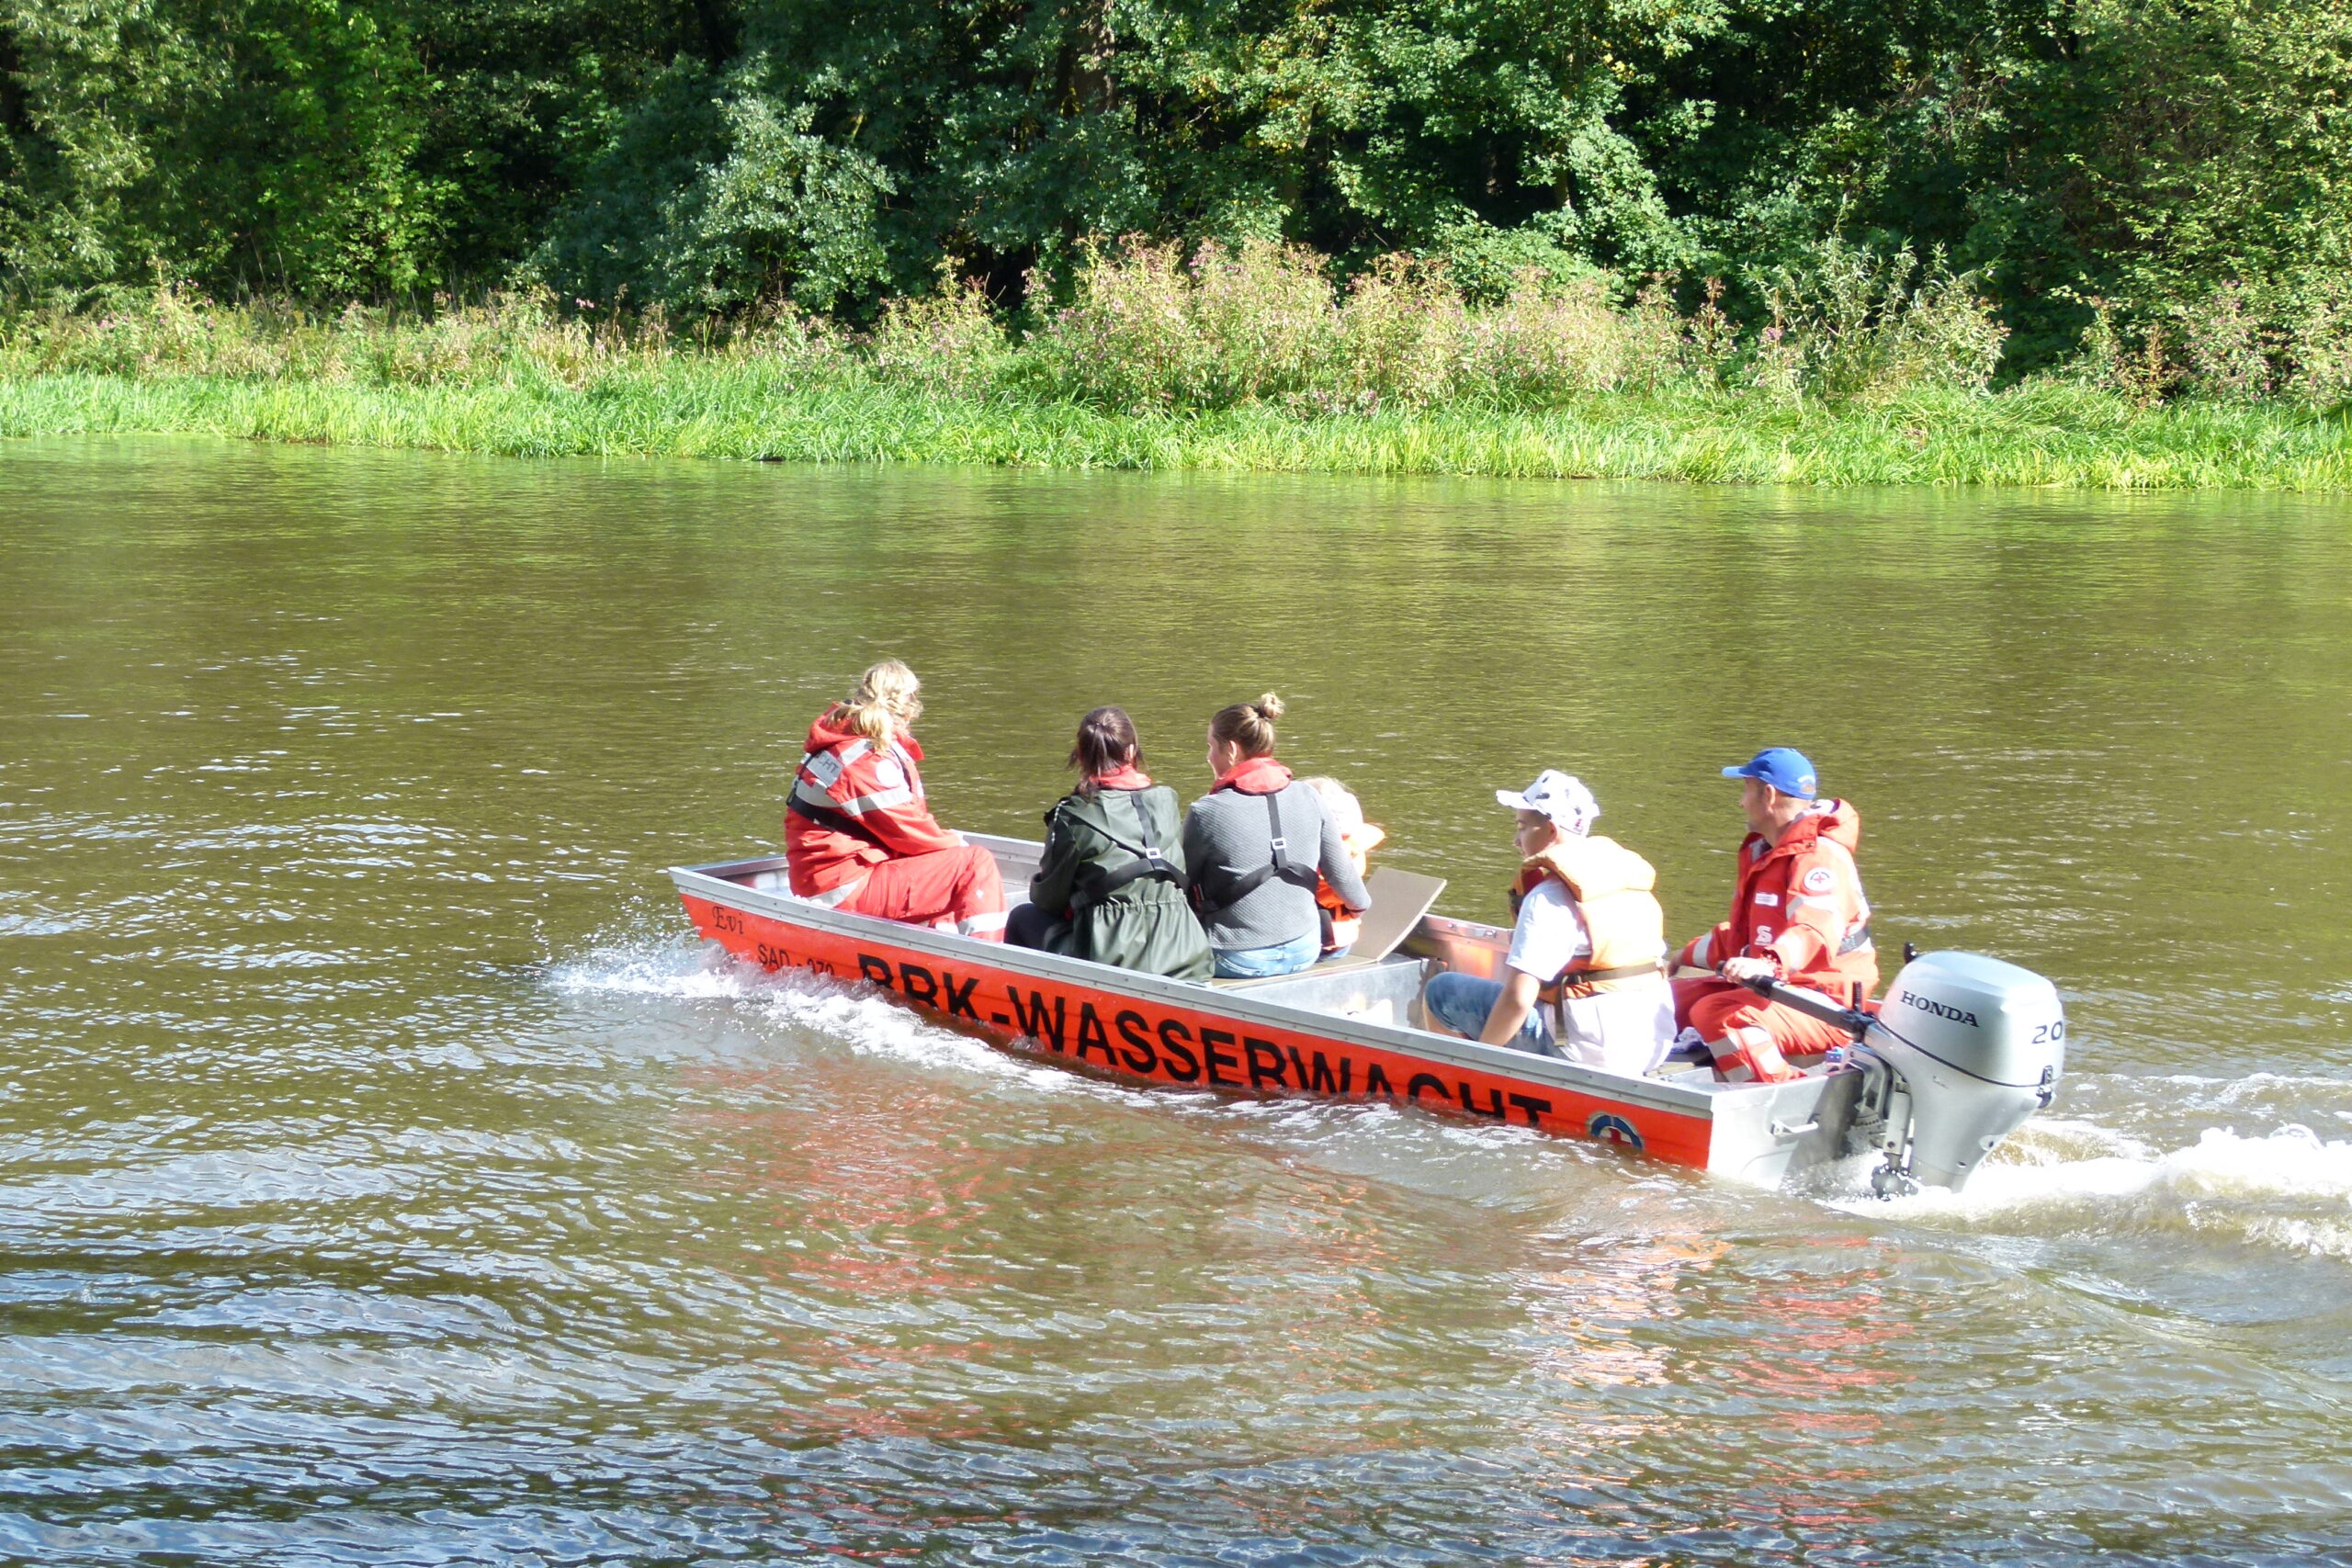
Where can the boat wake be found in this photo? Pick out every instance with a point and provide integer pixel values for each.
(2289, 1190)
(658, 966)
(805, 1007)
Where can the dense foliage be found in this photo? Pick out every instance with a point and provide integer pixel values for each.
(2166, 176)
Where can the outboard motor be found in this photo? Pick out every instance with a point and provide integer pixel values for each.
(1979, 1046)
(1962, 1050)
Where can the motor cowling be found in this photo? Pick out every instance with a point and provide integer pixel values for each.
(1980, 1045)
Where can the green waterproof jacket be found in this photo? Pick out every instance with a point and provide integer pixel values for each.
(1096, 845)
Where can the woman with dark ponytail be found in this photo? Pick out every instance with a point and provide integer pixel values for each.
(1111, 886)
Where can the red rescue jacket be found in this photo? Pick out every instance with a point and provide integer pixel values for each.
(854, 804)
(1800, 902)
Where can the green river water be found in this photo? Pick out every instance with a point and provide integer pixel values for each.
(386, 1177)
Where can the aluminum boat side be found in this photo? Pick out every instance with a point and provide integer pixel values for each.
(1345, 1031)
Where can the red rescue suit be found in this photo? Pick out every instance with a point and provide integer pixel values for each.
(1799, 903)
(859, 838)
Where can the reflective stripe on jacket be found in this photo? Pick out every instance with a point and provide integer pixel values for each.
(1800, 902)
(1610, 887)
(853, 804)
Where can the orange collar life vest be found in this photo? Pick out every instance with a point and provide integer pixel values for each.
(1609, 887)
(1359, 843)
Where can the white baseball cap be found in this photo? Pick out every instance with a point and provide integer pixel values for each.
(1554, 793)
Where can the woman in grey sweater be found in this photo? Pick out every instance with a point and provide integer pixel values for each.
(1254, 845)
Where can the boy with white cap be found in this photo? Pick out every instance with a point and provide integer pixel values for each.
(1589, 931)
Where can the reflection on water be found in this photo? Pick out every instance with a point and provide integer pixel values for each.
(385, 1178)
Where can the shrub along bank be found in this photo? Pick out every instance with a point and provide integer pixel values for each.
(2167, 172)
(1868, 370)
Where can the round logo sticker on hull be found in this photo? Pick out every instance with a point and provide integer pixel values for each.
(1608, 1127)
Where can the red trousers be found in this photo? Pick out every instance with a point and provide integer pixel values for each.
(955, 890)
(1730, 1018)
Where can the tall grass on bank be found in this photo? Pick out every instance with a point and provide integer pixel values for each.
(2049, 435)
(1149, 328)
(1872, 370)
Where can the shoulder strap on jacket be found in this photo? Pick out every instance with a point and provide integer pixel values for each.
(1215, 901)
(1096, 884)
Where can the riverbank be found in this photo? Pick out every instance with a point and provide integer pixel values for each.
(1247, 360)
(2048, 436)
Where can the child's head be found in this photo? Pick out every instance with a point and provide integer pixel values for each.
(1344, 809)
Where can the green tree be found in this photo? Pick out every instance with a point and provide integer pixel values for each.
(257, 143)
(2171, 151)
(1008, 135)
(528, 97)
(2155, 154)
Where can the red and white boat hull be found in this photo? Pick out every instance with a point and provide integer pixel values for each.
(1340, 1032)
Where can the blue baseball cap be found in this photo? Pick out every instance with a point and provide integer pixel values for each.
(1785, 768)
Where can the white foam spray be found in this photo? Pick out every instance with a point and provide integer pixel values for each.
(868, 1022)
(2288, 1188)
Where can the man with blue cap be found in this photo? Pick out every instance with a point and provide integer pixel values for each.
(1797, 916)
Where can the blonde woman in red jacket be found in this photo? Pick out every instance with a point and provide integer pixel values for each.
(858, 833)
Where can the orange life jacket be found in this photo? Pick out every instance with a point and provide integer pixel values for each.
(1348, 924)
(1610, 887)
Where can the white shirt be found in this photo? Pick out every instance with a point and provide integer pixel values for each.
(1625, 1032)
(1550, 933)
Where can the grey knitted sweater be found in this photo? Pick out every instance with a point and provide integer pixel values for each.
(1229, 828)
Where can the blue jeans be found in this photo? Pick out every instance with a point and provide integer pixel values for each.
(1258, 963)
(1462, 1002)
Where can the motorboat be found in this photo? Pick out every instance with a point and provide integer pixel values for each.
(1961, 1052)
